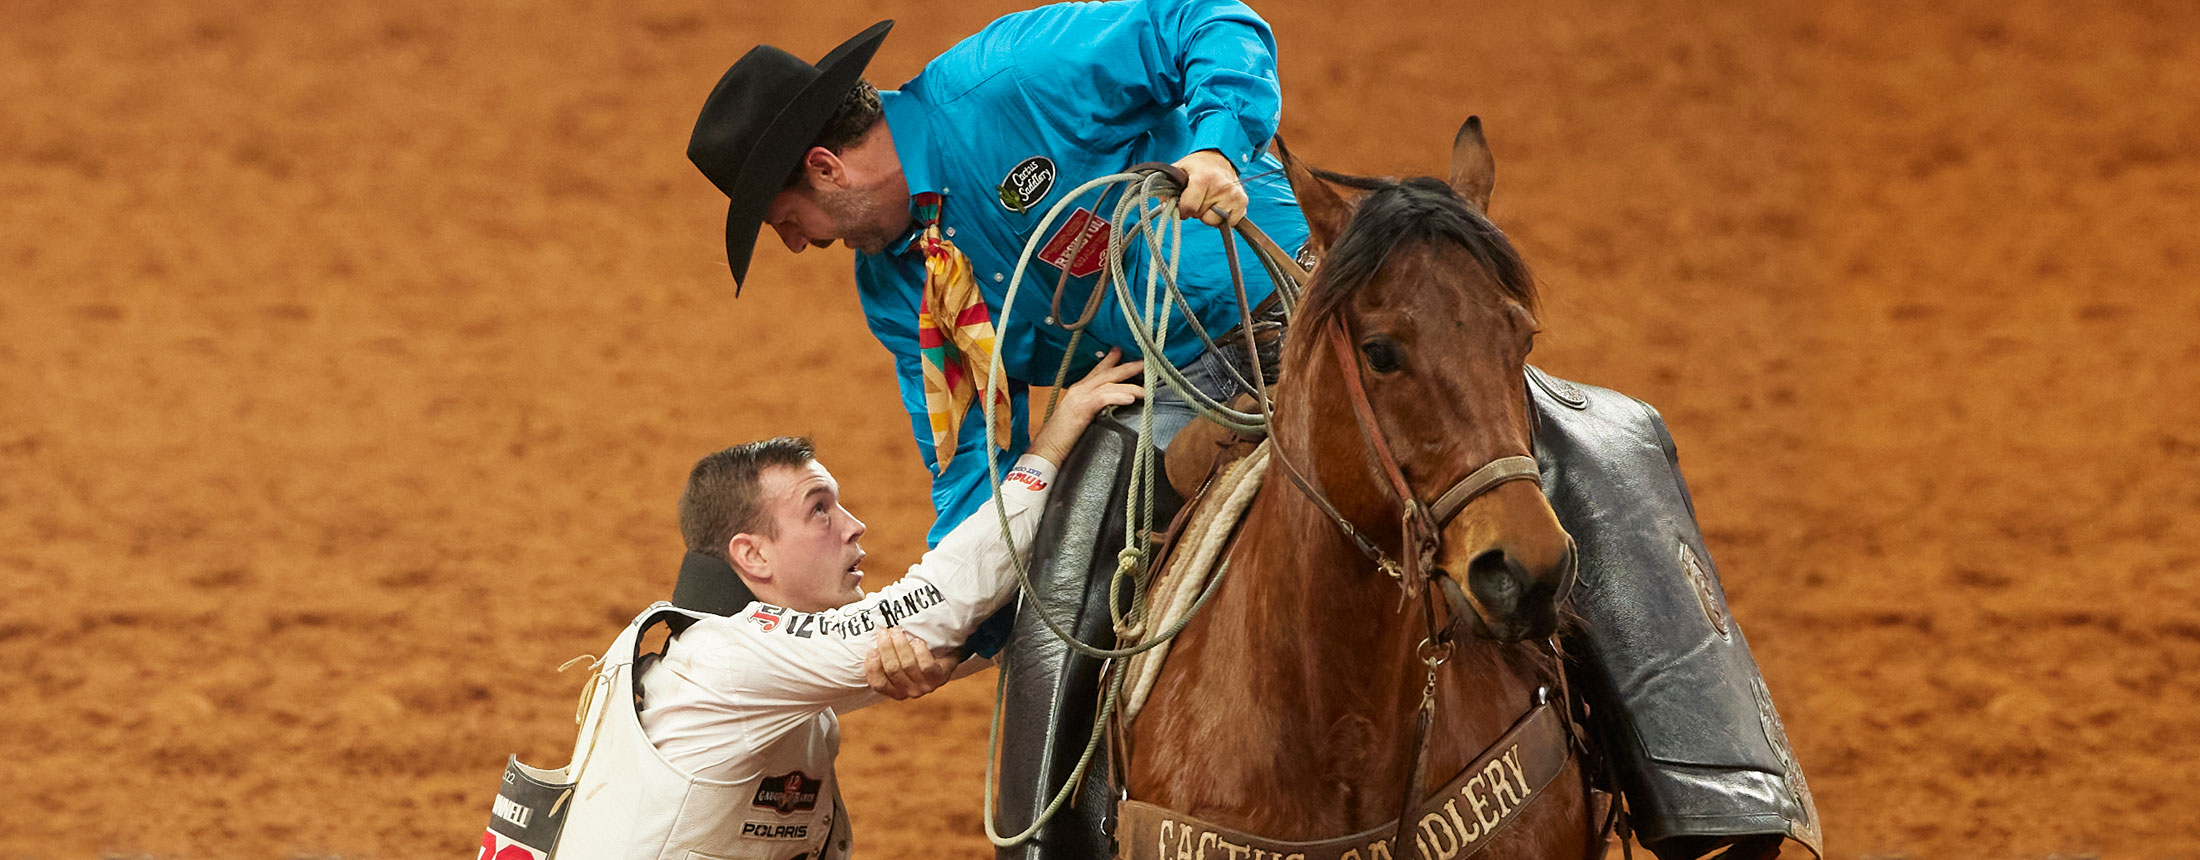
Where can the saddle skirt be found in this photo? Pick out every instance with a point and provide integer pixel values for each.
(1186, 568)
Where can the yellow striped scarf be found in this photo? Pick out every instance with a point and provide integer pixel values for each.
(954, 339)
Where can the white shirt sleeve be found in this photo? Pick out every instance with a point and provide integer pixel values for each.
(783, 666)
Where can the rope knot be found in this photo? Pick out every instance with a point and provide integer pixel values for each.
(1129, 560)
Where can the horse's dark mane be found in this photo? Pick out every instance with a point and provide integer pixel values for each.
(1420, 210)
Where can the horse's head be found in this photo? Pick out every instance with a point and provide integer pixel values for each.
(1427, 303)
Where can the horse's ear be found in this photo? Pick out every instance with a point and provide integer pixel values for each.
(1325, 211)
(1473, 170)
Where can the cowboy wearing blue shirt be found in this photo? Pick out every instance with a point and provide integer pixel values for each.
(940, 185)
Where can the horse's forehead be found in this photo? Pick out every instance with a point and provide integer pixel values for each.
(1419, 275)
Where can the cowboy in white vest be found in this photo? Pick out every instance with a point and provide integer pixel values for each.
(729, 751)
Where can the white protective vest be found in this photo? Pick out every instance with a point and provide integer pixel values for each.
(629, 803)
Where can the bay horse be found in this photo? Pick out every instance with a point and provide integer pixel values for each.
(1288, 708)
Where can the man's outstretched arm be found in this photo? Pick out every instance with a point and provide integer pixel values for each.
(903, 666)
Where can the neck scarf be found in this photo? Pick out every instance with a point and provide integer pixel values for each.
(954, 339)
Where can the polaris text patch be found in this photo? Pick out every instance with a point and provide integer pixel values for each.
(769, 830)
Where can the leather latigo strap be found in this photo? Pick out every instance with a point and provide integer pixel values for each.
(1452, 824)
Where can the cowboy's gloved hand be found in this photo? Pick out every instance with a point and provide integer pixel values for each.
(1211, 182)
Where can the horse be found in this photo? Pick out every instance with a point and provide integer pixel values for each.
(1292, 706)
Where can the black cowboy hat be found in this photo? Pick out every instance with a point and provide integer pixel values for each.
(763, 115)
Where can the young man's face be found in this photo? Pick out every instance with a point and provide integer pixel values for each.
(814, 556)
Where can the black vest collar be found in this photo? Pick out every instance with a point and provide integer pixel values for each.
(709, 585)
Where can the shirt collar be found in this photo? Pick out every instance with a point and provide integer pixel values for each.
(905, 117)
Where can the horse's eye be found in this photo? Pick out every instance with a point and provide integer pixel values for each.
(1382, 354)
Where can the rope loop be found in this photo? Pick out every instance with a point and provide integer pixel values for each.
(1146, 212)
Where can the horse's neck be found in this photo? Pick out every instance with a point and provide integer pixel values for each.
(1288, 709)
(1279, 706)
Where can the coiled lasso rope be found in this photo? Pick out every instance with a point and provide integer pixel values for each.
(1145, 211)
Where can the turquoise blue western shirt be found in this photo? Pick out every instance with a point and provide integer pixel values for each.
(1007, 123)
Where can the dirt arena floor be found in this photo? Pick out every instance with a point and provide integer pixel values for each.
(352, 356)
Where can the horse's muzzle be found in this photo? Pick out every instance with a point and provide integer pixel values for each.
(1512, 603)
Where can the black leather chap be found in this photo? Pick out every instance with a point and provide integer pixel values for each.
(1680, 708)
(1051, 692)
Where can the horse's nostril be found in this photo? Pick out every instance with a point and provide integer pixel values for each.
(1495, 582)
(1520, 573)
(1516, 603)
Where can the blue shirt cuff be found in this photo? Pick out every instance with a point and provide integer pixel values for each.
(1220, 131)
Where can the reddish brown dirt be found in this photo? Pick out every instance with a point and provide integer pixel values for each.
(351, 356)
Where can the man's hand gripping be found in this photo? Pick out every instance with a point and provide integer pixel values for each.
(1104, 386)
(901, 666)
(1212, 192)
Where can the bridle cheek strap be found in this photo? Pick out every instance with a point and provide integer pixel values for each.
(1425, 519)
(1348, 366)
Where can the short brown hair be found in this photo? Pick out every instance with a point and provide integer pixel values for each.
(849, 123)
(720, 500)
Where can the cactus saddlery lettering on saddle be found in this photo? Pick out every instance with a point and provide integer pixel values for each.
(1453, 824)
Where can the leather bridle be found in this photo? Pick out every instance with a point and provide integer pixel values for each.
(1420, 523)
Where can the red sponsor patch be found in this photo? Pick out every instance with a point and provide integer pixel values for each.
(1027, 478)
(1078, 244)
(788, 794)
(495, 846)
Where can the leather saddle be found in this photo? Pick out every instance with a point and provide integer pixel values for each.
(1684, 718)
